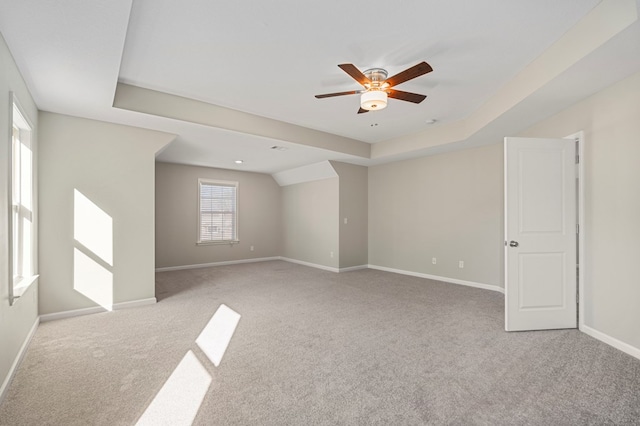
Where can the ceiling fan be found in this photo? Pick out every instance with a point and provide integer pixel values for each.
(377, 87)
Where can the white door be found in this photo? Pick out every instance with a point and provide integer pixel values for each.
(540, 234)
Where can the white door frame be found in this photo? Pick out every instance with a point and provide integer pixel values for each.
(579, 138)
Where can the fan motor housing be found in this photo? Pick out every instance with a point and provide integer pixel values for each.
(376, 75)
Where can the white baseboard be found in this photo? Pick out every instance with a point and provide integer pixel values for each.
(438, 278)
(354, 268)
(207, 265)
(312, 265)
(73, 313)
(135, 303)
(262, 259)
(334, 269)
(97, 309)
(611, 341)
(18, 360)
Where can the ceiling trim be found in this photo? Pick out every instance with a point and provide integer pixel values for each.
(162, 104)
(604, 22)
(311, 172)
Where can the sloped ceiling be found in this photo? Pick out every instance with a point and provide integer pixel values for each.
(234, 79)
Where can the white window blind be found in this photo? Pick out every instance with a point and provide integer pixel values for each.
(218, 211)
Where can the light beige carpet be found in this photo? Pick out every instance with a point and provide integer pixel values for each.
(318, 348)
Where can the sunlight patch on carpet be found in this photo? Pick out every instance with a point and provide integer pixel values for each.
(180, 398)
(215, 337)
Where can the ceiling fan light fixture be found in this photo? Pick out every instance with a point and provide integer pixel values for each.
(378, 88)
(373, 100)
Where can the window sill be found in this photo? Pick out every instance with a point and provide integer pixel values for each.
(217, 243)
(24, 284)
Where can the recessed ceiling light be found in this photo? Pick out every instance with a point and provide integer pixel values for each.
(431, 121)
(238, 161)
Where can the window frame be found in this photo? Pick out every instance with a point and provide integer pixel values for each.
(21, 280)
(223, 183)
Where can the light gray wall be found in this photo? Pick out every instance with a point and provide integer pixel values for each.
(353, 182)
(447, 206)
(310, 213)
(113, 166)
(15, 321)
(259, 216)
(611, 124)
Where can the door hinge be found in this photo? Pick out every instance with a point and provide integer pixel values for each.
(577, 228)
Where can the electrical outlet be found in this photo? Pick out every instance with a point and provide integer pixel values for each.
(346, 220)
(461, 264)
(434, 260)
(331, 253)
(251, 248)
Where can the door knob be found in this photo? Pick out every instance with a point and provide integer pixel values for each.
(513, 244)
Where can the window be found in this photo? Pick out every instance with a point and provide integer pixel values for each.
(22, 204)
(217, 212)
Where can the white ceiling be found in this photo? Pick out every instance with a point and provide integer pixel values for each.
(271, 58)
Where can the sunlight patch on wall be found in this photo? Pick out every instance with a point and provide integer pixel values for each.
(215, 337)
(93, 251)
(92, 227)
(179, 400)
(92, 279)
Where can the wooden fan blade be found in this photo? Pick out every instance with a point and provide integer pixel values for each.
(355, 73)
(413, 72)
(406, 96)
(362, 111)
(330, 95)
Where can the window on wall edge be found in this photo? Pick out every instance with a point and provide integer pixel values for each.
(23, 208)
